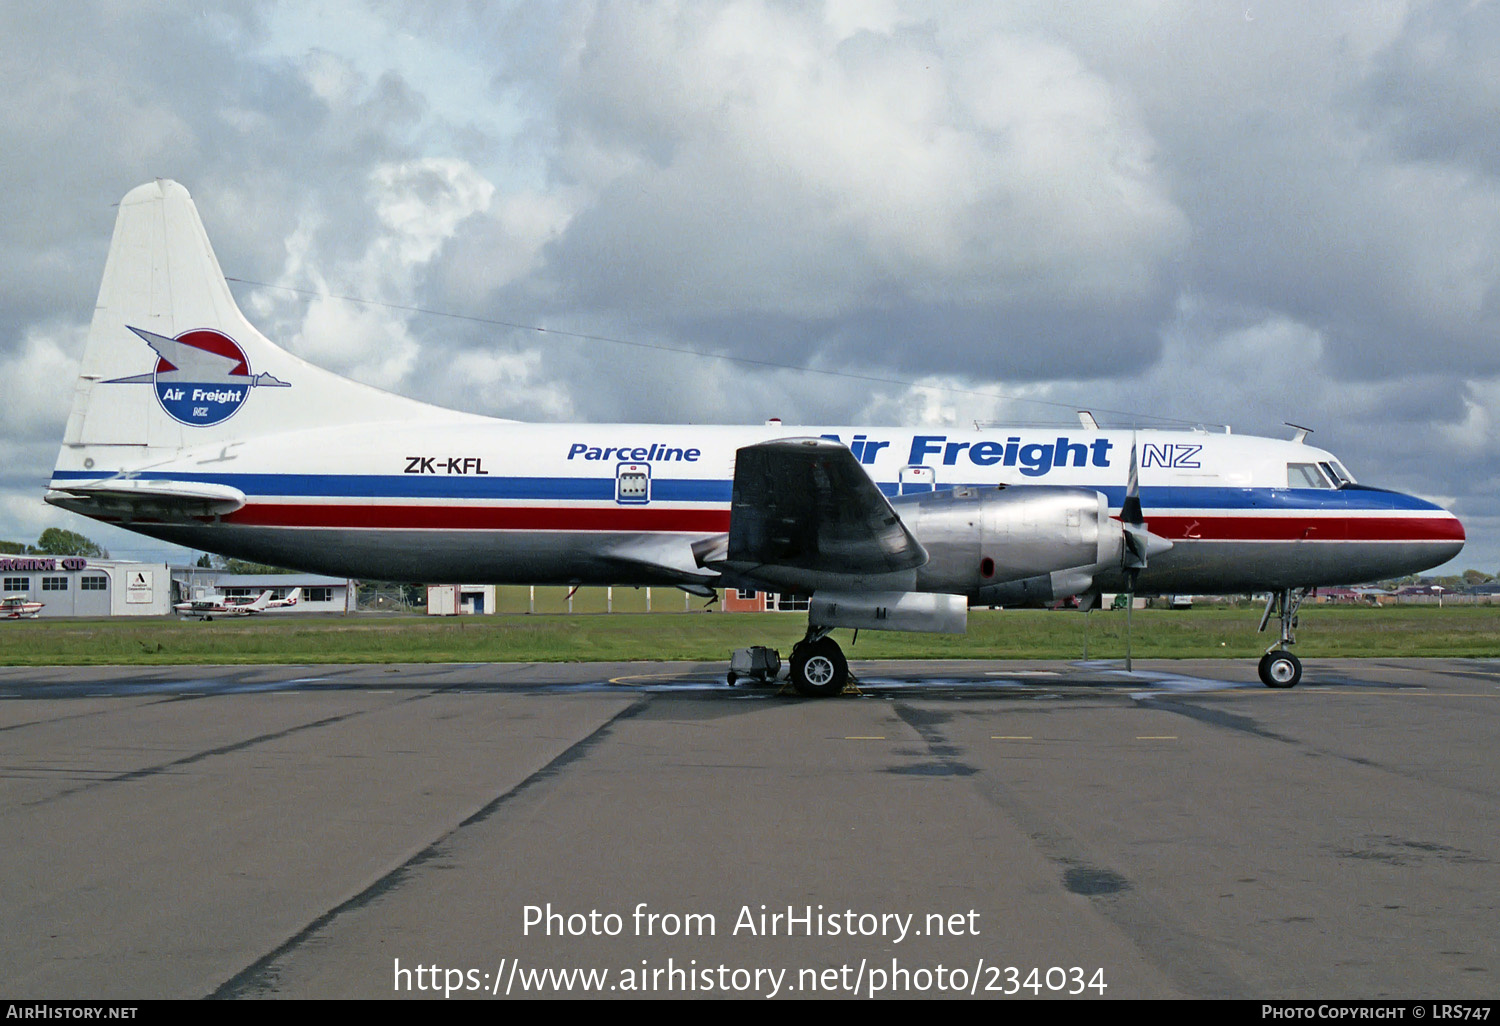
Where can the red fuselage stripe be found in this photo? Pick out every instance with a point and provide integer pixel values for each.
(716, 521)
(486, 518)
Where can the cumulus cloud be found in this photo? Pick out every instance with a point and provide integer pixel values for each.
(506, 383)
(418, 206)
(36, 375)
(765, 161)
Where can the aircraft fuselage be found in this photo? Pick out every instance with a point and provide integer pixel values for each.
(500, 502)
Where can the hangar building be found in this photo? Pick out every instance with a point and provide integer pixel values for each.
(85, 586)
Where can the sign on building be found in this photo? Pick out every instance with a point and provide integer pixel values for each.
(138, 586)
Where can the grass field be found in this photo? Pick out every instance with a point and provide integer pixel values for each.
(1174, 634)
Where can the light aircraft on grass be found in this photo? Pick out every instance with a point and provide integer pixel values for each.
(218, 605)
(188, 425)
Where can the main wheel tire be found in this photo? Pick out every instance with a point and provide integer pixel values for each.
(1280, 670)
(819, 669)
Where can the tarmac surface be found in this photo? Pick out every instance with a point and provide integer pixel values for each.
(974, 828)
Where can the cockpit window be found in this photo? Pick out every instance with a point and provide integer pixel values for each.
(1305, 475)
(1335, 470)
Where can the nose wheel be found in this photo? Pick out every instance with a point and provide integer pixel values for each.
(1280, 670)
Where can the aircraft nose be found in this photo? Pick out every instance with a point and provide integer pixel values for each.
(1415, 534)
(1453, 528)
(1436, 531)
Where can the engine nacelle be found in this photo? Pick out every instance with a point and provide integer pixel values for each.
(1013, 545)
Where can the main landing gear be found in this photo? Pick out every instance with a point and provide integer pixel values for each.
(1278, 667)
(819, 669)
(818, 666)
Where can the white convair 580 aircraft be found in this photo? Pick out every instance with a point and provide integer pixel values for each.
(190, 426)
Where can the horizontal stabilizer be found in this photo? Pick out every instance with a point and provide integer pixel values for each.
(131, 499)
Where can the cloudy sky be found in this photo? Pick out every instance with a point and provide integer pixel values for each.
(1242, 213)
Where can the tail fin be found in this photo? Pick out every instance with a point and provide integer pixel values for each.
(262, 601)
(171, 363)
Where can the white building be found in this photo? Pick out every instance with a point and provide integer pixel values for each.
(84, 586)
(319, 594)
(458, 599)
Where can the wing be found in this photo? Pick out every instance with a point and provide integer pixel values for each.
(805, 504)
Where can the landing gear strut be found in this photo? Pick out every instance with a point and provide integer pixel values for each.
(1278, 667)
(819, 669)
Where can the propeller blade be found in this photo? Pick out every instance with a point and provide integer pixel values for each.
(1139, 543)
(1130, 511)
(1133, 559)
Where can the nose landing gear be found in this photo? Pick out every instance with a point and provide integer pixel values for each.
(1278, 667)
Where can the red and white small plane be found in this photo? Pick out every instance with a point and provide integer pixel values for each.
(208, 608)
(19, 607)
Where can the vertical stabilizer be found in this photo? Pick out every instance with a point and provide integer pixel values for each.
(171, 363)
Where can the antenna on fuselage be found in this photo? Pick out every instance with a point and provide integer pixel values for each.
(1302, 432)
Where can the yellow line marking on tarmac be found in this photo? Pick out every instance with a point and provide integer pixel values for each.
(649, 677)
(1011, 737)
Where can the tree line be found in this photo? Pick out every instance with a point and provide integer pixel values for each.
(55, 541)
